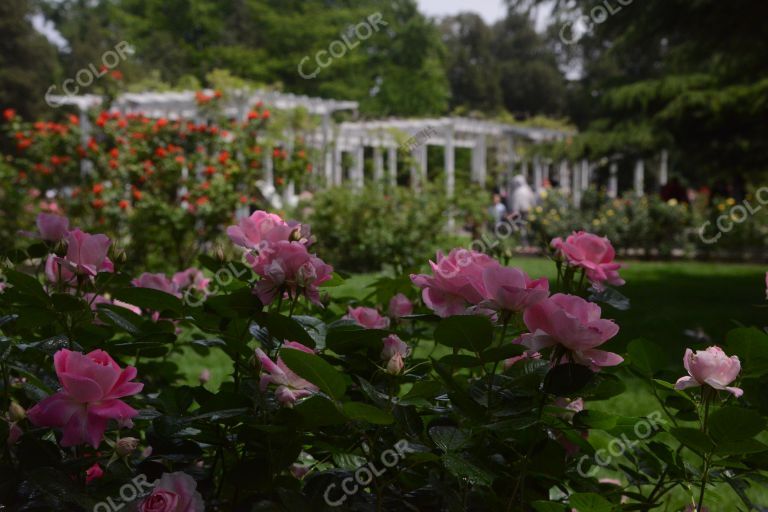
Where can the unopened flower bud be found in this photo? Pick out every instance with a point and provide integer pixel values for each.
(16, 412)
(205, 376)
(395, 365)
(126, 445)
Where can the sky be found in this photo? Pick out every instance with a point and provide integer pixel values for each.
(490, 10)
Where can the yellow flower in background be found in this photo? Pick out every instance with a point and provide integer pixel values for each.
(721, 207)
(538, 209)
(672, 202)
(730, 201)
(609, 213)
(595, 222)
(544, 194)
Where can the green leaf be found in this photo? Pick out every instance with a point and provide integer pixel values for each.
(26, 285)
(589, 502)
(151, 299)
(463, 469)
(494, 354)
(316, 370)
(567, 379)
(470, 332)
(345, 339)
(548, 506)
(318, 411)
(448, 438)
(364, 412)
(734, 424)
(694, 439)
(740, 447)
(751, 345)
(284, 328)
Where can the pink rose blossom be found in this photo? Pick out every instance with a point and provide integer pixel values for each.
(510, 289)
(400, 306)
(288, 266)
(395, 364)
(592, 253)
(158, 282)
(394, 345)
(191, 278)
(456, 281)
(91, 387)
(93, 473)
(52, 228)
(508, 363)
(86, 256)
(712, 367)
(259, 230)
(174, 492)
(575, 325)
(367, 317)
(290, 387)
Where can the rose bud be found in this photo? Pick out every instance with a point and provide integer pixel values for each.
(16, 412)
(126, 445)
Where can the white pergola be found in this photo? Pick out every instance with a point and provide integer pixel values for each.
(393, 136)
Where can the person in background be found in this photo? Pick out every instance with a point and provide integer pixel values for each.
(497, 210)
(523, 198)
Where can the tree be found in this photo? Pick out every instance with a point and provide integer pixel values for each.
(28, 63)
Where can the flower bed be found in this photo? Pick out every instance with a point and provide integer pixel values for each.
(468, 387)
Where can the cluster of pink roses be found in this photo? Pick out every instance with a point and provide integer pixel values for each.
(191, 278)
(395, 350)
(280, 257)
(465, 282)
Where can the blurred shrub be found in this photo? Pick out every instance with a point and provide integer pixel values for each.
(367, 229)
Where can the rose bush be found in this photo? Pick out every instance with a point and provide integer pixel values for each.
(483, 389)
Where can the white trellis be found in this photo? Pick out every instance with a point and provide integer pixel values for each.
(387, 138)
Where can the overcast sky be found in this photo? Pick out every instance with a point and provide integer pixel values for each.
(490, 10)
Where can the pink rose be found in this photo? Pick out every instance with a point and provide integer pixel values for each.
(86, 256)
(258, 230)
(508, 363)
(400, 306)
(367, 317)
(394, 345)
(14, 434)
(510, 289)
(91, 387)
(156, 282)
(174, 492)
(456, 281)
(52, 228)
(288, 266)
(93, 473)
(712, 367)
(575, 325)
(290, 387)
(592, 253)
(191, 278)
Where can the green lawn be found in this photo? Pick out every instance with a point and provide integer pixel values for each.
(667, 298)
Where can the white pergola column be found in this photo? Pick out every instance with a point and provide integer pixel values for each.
(565, 177)
(664, 168)
(328, 167)
(359, 170)
(576, 189)
(613, 180)
(640, 177)
(268, 164)
(479, 168)
(585, 174)
(378, 165)
(392, 165)
(450, 163)
(419, 166)
(537, 174)
(338, 165)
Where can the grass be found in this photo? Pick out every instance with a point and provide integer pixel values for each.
(667, 298)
